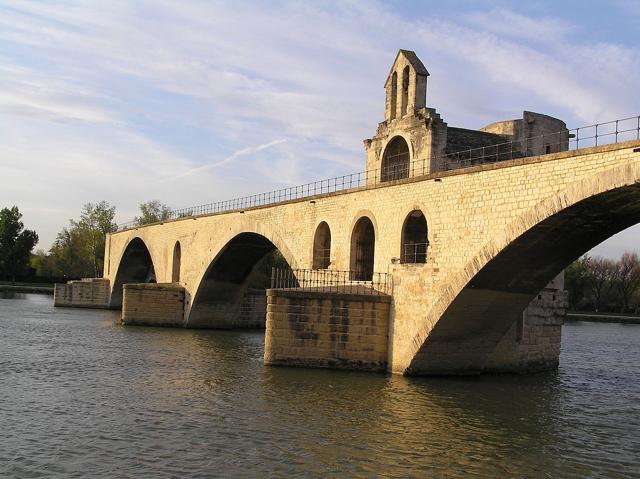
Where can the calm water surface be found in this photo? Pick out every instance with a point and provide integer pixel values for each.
(83, 397)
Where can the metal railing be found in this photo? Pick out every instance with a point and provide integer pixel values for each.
(329, 281)
(611, 132)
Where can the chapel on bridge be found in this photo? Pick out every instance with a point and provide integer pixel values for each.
(414, 140)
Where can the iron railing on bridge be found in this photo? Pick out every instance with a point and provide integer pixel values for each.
(330, 281)
(610, 132)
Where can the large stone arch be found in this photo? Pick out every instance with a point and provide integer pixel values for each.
(480, 303)
(216, 298)
(135, 265)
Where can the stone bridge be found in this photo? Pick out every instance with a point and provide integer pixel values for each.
(497, 234)
(474, 228)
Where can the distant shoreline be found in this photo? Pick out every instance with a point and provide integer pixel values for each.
(10, 288)
(602, 317)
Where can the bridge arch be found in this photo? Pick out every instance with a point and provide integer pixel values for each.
(396, 159)
(480, 303)
(135, 266)
(221, 287)
(363, 247)
(414, 238)
(321, 255)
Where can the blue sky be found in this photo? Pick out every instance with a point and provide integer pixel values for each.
(193, 102)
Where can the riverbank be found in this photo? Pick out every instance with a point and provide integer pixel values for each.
(603, 317)
(24, 288)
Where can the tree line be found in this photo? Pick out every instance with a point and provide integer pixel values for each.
(604, 285)
(78, 250)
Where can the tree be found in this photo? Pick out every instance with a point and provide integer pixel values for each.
(627, 278)
(16, 243)
(96, 221)
(601, 274)
(153, 212)
(79, 249)
(576, 281)
(42, 264)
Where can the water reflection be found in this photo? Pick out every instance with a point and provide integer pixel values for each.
(86, 396)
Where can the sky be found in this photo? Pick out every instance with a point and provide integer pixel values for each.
(191, 102)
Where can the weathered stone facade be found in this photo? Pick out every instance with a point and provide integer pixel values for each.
(86, 293)
(473, 215)
(318, 329)
(434, 146)
(153, 304)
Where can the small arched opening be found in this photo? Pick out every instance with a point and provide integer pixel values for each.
(405, 90)
(393, 100)
(177, 259)
(322, 247)
(135, 266)
(363, 243)
(395, 162)
(414, 238)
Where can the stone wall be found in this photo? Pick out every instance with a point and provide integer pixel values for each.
(306, 328)
(461, 139)
(153, 304)
(533, 342)
(253, 310)
(85, 293)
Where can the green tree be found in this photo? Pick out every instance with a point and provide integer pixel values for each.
(601, 273)
(69, 251)
(153, 211)
(576, 281)
(42, 264)
(16, 243)
(627, 279)
(78, 250)
(96, 221)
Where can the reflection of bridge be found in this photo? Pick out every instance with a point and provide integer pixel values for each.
(498, 232)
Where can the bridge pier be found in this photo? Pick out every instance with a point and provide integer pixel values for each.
(85, 293)
(327, 329)
(153, 304)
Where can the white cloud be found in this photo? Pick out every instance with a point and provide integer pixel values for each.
(108, 100)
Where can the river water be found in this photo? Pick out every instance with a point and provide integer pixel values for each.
(84, 397)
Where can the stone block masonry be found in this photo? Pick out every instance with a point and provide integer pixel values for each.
(253, 310)
(533, 342)
(153, 304)
(327, 330)
(86, 293)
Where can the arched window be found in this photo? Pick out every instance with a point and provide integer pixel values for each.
(395, 162)
(414, 238)
(393, 101)
(322, 247)
(363, 243)
(405, 90)
(177, 257)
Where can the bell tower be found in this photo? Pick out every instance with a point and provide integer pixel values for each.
(412, 137)
(406, 86)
